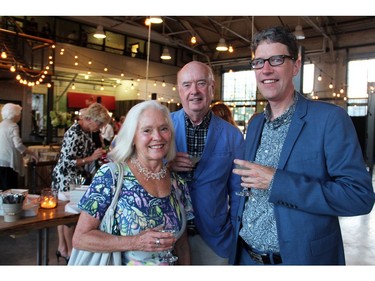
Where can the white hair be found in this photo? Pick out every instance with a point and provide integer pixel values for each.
(124, 148)
(10, 110)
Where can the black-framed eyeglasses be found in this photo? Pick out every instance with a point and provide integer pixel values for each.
(273, 61)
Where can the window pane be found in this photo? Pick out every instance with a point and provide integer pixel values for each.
(308, 78)
(239, 86)
(239, 92)
(360, 72)
(115, 43)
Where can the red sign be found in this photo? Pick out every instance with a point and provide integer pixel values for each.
(79, 100)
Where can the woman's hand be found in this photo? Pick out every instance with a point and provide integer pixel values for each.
(33, 155)
(97, 154)
(152, 240)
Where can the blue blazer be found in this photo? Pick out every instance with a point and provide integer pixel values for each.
(321, 175)
(214, 185)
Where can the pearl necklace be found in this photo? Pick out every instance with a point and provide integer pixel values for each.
(147, 173)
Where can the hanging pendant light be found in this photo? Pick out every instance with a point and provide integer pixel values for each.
(222, 46)
(99, 33)
(300, 35)
(165, 55)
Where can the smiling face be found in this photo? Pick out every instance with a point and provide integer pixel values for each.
(153, 136)
(275, 82)
(196, 89)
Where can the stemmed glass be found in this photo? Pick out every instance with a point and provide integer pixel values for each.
(246, 191)
(167, 256)
(194, 159)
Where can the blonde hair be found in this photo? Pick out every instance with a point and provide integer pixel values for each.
(97, 113)
(124, 148)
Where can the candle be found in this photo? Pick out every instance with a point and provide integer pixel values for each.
(49, 199)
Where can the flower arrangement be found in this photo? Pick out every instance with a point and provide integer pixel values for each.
(60, 119)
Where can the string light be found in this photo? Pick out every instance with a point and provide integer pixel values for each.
(27, 78)
(320, 77)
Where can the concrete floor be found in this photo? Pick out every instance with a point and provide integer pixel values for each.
(358, 234)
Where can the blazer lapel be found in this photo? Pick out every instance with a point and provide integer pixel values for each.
(213, 136)
(294, 130)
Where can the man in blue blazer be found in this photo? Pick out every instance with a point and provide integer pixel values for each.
(304, 166)
(213, 185)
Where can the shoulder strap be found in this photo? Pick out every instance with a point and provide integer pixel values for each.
(108, 218)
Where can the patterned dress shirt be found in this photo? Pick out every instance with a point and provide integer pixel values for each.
(258, 222)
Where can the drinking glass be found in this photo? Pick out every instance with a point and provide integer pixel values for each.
(194, 159)
(167, 256)
(246, 191)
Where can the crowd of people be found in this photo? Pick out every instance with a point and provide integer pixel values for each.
(301, 160)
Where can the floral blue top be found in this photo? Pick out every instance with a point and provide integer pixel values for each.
(136, 210)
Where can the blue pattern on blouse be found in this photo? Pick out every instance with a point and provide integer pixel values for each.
(136, 210)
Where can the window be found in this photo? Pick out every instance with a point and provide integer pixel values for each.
(115, 43)
(360, 73)
(239, 92)
(308, 78)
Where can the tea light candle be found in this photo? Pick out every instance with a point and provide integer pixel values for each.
(48, 200)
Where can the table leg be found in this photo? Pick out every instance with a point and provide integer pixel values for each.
(45, 246)
(39, 253)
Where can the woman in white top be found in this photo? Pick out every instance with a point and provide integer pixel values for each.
(12, 149)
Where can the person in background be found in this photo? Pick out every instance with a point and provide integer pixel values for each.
(12, 148)
(77, 159)
(303, 164)
(212, 184)
(116, 124)
(223, 111)
(149, 198)
(107, 134)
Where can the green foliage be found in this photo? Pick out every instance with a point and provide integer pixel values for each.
(60, 119)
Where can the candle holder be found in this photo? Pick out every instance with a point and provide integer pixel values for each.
(48, 198)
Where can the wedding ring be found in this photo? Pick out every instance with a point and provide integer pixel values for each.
(157, 242)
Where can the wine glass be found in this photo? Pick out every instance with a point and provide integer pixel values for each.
(194, 159)
(167, 256)
(246, 191)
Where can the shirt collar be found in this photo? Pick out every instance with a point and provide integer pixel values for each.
(283, 118)
(204, 124)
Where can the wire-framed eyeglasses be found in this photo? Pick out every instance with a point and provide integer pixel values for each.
(273, 61)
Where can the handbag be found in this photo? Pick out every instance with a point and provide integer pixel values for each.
(83, 257)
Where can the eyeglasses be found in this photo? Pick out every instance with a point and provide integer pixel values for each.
(273, 61)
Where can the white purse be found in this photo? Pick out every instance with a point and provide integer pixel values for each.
(83, 257)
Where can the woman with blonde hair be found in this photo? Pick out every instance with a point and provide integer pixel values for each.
(77, 158)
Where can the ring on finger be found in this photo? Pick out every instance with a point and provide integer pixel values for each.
(157, 242)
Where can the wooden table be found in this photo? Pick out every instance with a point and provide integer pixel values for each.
(45, 219)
